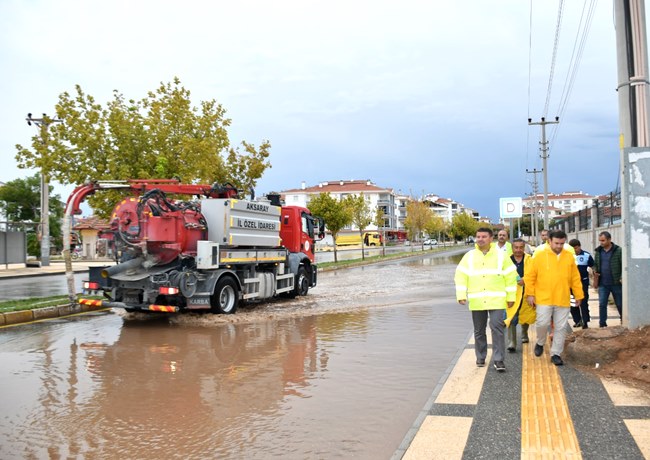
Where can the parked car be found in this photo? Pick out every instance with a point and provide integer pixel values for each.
(430, 242)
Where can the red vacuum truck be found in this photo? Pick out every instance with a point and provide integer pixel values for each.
(208, 252)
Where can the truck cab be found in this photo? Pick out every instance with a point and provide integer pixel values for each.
(299, 229)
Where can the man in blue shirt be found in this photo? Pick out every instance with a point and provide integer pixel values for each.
(584, 260)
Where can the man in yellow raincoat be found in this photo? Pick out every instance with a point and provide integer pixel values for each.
(486, 280)
(520, 313)
(552, 275)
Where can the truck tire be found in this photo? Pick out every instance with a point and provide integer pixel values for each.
(225, 297)
(301, 283)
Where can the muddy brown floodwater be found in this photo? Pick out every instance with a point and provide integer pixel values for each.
(340, 373)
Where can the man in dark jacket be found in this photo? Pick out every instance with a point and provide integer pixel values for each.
(608, 274)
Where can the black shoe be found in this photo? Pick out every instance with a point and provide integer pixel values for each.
(578, 324)
(555, 359)
(524, 340)
(585, 325)
(480, 362)
(539, 349)
(603, 325)
(499, 366)
(511, 349)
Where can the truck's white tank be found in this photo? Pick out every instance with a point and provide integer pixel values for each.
(234, 222)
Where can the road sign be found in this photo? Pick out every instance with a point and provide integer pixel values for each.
(510, 208)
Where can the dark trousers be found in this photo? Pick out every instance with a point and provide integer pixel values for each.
(497, 327)
(581, 313)
(603, 296)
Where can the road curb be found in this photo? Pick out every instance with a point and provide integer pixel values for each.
(13, 318)
(34, 275)
(17, 317)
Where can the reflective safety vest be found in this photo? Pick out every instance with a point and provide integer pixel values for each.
(486, 281)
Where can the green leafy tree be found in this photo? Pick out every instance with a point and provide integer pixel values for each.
(336, 214)
(418, 214)
(161, 136)
(21, 201)
(463, 225)
(361, 216)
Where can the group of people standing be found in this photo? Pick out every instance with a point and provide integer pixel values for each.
(503, 284)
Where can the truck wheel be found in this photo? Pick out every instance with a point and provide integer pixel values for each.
(225, 297)
(301, 286)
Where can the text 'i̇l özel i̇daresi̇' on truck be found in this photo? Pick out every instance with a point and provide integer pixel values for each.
(205, 254)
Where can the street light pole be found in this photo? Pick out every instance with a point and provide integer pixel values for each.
(43, 125)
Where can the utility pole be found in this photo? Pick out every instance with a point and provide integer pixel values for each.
(534, 224)
(43, 125)
(544, 155)
(633, 103)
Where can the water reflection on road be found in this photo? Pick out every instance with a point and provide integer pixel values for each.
(342, 372)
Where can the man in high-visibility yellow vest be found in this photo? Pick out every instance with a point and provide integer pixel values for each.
(486, 280)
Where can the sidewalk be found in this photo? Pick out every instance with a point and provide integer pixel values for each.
(534, 410)
(55, 267)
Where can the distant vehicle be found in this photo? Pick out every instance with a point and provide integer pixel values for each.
(469, 240)
(430, 242)
(369, 239)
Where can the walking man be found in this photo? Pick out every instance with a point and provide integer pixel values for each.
(580, 313)
(486, 281)
(521, 313)
(608, 265)
(502, 242)
(544, 235)
(552, 276)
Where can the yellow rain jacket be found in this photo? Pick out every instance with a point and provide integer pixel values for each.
(543, 246)
(527, 314)
(486, 281)
(550, 277)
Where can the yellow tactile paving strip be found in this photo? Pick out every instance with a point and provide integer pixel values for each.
(547, 431)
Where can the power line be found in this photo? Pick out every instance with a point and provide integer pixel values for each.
(530, 56)
(576, 58)
(558, 28)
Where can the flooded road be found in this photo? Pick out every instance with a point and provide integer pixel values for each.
(340, 373)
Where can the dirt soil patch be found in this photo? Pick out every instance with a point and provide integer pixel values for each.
(613, 352)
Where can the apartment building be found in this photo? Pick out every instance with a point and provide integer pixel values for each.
(560, 204)
(378, 197)
(446, 208)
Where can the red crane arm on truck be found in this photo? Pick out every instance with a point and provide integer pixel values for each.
(138, 187)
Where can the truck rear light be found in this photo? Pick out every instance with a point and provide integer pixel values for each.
(90, 286)
(166, 290)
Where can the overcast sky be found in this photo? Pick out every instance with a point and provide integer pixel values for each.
(419, 96)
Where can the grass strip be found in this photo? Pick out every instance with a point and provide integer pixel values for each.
(37, 302)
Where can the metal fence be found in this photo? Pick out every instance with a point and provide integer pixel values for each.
(586, 224)
(604, 213)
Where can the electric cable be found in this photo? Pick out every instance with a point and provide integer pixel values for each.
(576, 58)
(558, 28)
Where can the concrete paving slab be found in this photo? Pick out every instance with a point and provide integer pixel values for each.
(441, 438)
